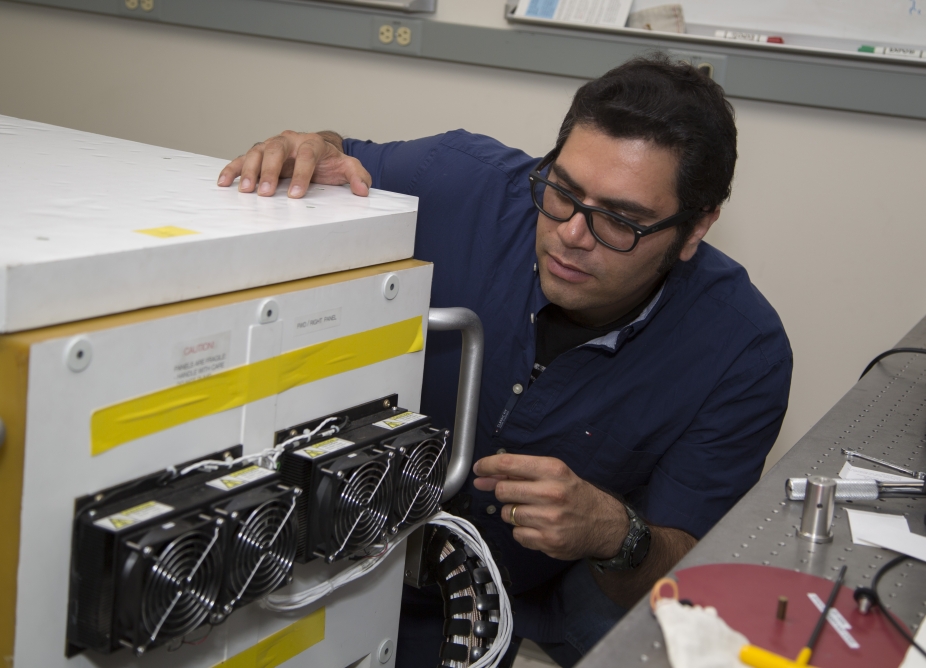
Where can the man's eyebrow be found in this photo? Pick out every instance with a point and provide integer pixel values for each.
(628, 206)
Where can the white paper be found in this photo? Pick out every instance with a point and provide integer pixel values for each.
(914, 659)
(839, 623)
(863, 523)
(909, 544)
(849, 472)
(604, 13)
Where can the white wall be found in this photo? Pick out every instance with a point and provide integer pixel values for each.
(826, 212)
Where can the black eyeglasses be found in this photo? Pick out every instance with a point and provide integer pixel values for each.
(609, 229)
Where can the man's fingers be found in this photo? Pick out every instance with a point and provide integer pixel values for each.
(530, 491)
(230, 172)
(276, 151)
(359, 186)
(358, 177)
(250, 168)
(303, 169)
(526, 467)
(529, 537)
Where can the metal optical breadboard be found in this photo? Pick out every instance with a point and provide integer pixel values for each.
(883, 415)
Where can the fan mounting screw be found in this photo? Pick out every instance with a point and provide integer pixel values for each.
(91, 513)
(147, 552)
(219, 521)
(340, 475)
(139, 650)
(227, 609)
(234, 515)
(216, 618)
(98, 497)
(297, 491)
(330, 559)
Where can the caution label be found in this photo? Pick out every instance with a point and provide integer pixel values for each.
(399, 420)
(134, 515)
(324, 447)
(238, 478)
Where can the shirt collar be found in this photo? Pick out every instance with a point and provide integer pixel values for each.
(609, 340)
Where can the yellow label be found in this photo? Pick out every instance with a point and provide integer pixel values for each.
(282, 645)
(114, 425)
(166, 232)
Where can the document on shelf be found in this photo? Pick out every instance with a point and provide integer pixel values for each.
(603, 13)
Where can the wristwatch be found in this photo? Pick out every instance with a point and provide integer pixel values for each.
(633, 549)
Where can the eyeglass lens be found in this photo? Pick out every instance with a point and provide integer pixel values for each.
(555, 204)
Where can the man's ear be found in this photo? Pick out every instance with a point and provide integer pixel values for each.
(700, 229)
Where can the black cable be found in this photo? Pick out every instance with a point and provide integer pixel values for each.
(892, 351)
(872, 595)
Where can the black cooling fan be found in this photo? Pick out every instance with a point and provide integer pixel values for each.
(262, 530)
(170, 581)
(352, 502)
(155, 557)
(421, 470)
(348, 478)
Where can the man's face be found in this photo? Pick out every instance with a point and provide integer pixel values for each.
(632, 177)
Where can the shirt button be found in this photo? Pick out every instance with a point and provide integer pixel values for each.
(535, 267)
(491, 510)
(532, 318)
(517, 389)
(501, 451)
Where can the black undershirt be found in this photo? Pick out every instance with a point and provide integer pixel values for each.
(556, 333)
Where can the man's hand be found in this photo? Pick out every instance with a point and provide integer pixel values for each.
(557, 512)
(303, 156)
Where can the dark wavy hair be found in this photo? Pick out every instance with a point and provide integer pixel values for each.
(672, 104)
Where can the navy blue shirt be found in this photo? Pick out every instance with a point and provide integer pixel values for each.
(675, 412)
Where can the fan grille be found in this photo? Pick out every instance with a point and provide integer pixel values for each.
(264, 549)
(362, 506)
(182, 586)
(421, 481)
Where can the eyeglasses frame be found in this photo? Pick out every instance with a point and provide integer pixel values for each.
(639, 231)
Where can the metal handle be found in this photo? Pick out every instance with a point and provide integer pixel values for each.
(464, 428)
(855, 490)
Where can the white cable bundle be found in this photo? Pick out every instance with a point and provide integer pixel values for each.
(270, 455)
(474, 541)
(466, 531)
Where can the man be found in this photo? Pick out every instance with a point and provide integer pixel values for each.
(634, 378)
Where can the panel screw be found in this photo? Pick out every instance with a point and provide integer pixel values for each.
(386, 403)
(78, 355)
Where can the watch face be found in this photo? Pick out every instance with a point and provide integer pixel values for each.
(640, 548)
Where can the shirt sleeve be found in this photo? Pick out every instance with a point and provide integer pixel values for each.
(722, 453)
(394, 166)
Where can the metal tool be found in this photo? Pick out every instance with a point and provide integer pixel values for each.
(859, 490)
(852, 454)
(819, 507)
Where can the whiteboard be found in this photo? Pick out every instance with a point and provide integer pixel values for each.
(874, 22)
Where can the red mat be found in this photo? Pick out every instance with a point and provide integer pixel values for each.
(746, 598)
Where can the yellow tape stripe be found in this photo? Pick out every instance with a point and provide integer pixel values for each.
(282, 645)
(114, 425)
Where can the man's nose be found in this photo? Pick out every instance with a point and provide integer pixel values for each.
(575, 233)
